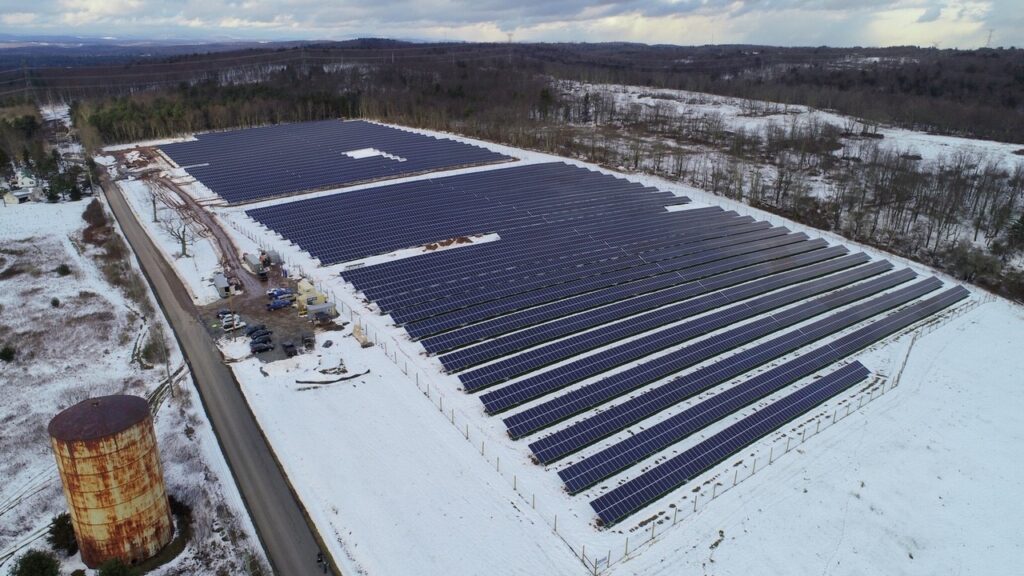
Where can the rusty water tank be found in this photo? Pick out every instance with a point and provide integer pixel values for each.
(108, 461)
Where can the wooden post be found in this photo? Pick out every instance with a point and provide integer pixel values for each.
(514, 481)
(627, 546)
(467, 431)
(652, 530)
(788, 438)
(556, 523)
(714, 490)
(818, 428)
(695, 501)
(735, 475)
(771, 452)
(533, 501)
(497, 464)
(675, 514)
(481, 447)
(755, 467)
(803, 436)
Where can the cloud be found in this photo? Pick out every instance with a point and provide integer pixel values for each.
(18, 18)
(779, 22)
(930, 15)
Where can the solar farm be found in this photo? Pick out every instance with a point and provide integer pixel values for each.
(258, 163)
(592, 274)
(628, 343)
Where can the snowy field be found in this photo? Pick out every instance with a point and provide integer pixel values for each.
(410, 475)
(754, 115)
(87, 347)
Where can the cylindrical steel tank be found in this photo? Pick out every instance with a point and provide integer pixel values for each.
(108, 460)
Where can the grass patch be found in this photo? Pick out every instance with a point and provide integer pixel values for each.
(114, 257)
(155, 349)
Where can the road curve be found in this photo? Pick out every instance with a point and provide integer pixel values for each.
(288, 538)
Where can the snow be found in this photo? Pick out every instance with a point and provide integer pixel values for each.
(370, 153)
(740, 113)
(84, 348)
(380, 475)
(195, 271)
(917, 483)
(404, 473)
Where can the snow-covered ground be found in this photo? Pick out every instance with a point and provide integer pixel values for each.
(408, 474)
(86, 346)
(195, 270)
(753, 115)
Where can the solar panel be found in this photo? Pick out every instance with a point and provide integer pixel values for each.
(651, 370)
(253, 164)
(626, 499)
(585, 432)
(514, 365)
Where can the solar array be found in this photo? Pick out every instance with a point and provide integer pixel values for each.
(258, 163)
(597, 318)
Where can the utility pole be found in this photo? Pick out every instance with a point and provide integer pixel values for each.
(988, 43)
(510, 48)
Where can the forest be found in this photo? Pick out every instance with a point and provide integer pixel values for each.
(961, 213)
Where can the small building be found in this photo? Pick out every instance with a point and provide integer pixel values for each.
(220, 282)
(318, 312)
(25, 179)
(19, 196)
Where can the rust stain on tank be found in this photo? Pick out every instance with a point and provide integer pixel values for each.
(110, 467)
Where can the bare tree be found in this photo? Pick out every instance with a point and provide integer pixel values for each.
(180, 225)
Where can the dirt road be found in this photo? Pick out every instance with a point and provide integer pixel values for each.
(288, 538)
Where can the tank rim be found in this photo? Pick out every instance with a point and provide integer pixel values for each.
(99, 417)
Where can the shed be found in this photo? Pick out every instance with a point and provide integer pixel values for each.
(18, 196)
(325, 308)
(220, 282)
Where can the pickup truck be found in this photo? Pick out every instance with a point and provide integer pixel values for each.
(277, 304)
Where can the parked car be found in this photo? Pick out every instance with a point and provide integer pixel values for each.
(255, 328)
(289, 348)
(279, 293)
(233, 326)
(261, 340)
(261, 333)
(308, 341)
(259, 348)
(278, 304)
(224, 312)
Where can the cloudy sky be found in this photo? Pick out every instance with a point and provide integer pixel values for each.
(945, 23)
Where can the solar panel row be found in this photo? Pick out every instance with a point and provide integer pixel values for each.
(626, 499)
(531, 360)
(622, 501)
(688, 268)
(699, 280)
(620, 416)
(552, 411)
